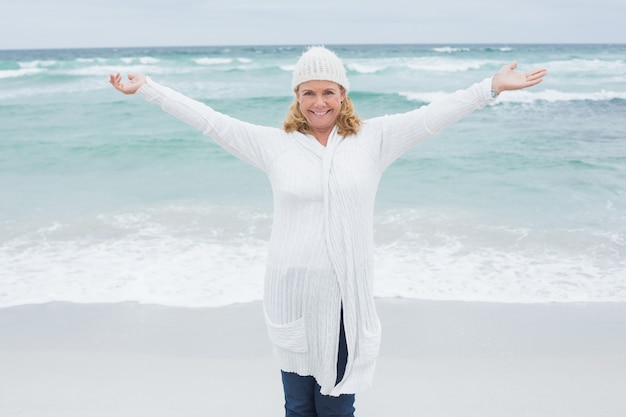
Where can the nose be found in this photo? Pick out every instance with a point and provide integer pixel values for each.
(320, 100)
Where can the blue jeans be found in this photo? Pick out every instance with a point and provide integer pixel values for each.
(302, 393)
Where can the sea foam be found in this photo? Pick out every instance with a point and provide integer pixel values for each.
(195, 256)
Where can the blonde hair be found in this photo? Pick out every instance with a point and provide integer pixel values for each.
(348, 123)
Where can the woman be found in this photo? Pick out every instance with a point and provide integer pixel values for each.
(324, 167)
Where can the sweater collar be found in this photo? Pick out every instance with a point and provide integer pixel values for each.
(317, 148)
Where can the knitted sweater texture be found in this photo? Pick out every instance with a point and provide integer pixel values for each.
(321, 247)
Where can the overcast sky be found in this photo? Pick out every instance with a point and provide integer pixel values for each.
(28, 24)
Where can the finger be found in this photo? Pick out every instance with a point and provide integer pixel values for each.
(513, 65)
(533, 80)
(118, 84)
(534, 75)
(538, 72)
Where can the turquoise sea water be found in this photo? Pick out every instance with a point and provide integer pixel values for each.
(105, 198)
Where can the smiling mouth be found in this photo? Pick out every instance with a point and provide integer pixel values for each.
(320, 113)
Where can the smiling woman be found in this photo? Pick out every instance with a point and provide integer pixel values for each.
(324, 170)
(319, 102)
(321, 97)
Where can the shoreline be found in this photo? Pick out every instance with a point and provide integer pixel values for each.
(438, 358)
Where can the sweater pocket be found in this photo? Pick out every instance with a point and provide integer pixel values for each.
(369, 343)
(290, 336)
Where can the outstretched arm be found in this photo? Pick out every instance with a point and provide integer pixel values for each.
(254, 144)
(135, 81)
(507, 79)
(403, 131)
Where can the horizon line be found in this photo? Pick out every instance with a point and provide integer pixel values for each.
(499, 44)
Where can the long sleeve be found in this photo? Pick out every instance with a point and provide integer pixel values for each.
(400, 132)
(251, 143)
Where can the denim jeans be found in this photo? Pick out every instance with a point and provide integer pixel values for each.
(302, 393)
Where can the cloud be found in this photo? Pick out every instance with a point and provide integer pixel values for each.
(73, 23)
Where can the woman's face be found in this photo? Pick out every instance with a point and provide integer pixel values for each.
(320, 103)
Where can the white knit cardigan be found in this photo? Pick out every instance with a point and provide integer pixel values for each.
(321, 246)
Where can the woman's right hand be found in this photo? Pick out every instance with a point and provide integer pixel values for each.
(135, 81)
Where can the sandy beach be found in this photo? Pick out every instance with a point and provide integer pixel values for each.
(437, 359)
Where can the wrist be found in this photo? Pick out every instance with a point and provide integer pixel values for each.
(495, 87)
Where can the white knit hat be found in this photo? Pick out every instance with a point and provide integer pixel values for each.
(319, 63)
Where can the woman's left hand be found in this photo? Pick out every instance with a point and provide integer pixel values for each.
(508, 79)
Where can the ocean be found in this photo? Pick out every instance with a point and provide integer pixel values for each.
(104, 198)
